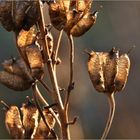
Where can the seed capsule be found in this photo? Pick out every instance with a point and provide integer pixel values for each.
(123, 71)
(108, 71)
(17, 67)
(30, 118)
(26, 38)
(84, 24)
(14, 82)
(35, 61)
(13, 123)
(42, 131)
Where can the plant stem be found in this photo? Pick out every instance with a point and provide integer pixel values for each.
(111, 115)
(35, 93)
(56, 94)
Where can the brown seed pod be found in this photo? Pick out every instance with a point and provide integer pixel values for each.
(110, 70)
(27, 38)
(30, 118)
(80, 5)
(17, 67)
(123, 71)
(5, 15)
(42, 131)
(84, 24)
(13, 123)
(14, 82)
(57, 15)
(35, 61)
(96, 71)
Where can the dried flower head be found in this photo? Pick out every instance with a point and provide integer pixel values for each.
(74, 21)
(108, 71)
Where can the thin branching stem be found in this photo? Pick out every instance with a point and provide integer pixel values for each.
(71, 84)
(41, 98)
(56, 95)
(35, 93)
(111, 115)
(57, 47)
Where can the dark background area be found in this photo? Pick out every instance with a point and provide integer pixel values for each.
(118, 25)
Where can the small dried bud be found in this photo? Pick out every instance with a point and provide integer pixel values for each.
(13, 123)
(30, 118)
(42, 131)
(35, 61)
(108, 71)
(14, 82)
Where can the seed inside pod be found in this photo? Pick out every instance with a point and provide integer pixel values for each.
(13, 123)
(30, 118)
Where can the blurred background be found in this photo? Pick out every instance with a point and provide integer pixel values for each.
(118, 25)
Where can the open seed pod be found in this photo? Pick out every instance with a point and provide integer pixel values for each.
(15, 15)
(74, 22)
(108, 71)
(42, 131)
(35, 60)
(13, 123)
(30, 118)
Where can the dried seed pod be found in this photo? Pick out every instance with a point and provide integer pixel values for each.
(30, 118)
(123, 71)
(42, 131)
(27, 38)
(13, 123)
(14, 82)
(17, 67)
(80, 5)
(110, 70)
(84, 24)
(96, 72)
(5, 15)
(65, 4)
(35, 61)
(57, 15)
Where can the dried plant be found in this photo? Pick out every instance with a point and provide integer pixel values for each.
(108, 70)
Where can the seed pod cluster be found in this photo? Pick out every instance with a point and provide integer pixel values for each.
(74, 22)
(108, 71)
(31, 126)
(15, 76)
(16, 15)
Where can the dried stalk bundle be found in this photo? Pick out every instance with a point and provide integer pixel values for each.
(108, 71)
(17, 15)
(74, 22)
(30, 118)
(13, 123)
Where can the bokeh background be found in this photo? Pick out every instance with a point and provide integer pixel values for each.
(118, 25)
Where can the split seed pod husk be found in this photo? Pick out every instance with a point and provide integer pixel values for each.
(27, 38)
(30, 118)
(42, 131)
(13, 123)
(108, 71)
(35, 60)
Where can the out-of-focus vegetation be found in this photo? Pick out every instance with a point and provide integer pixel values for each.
(118, 25)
